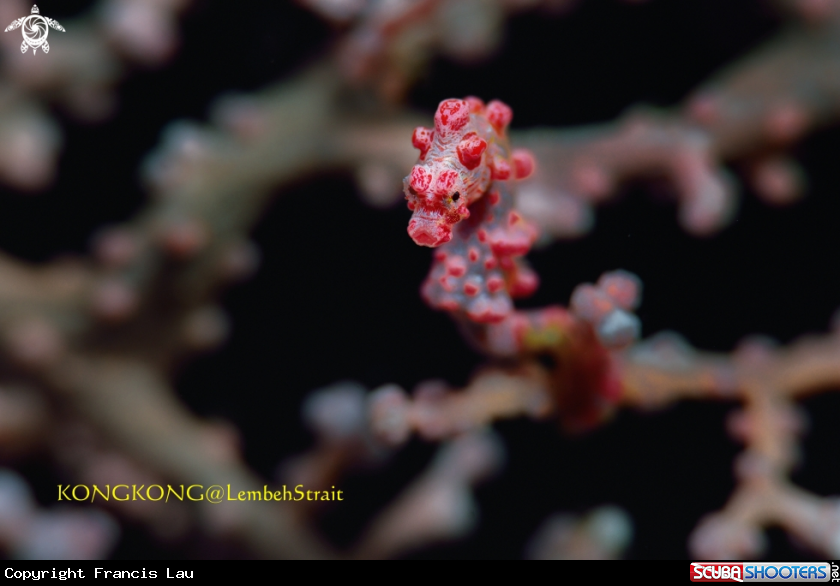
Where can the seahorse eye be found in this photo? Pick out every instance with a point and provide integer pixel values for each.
(455, 197)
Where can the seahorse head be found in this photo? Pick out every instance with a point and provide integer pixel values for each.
(452, 171)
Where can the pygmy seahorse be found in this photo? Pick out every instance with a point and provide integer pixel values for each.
(462, 194)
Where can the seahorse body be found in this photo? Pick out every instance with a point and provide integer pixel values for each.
(462, 194)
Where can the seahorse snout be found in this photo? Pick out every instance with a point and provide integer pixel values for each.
(427, 232)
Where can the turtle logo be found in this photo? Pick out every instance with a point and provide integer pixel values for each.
(35, 31)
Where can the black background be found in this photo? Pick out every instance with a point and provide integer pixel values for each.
(337, 295)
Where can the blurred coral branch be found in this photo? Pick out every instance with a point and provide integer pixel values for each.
(751, 112)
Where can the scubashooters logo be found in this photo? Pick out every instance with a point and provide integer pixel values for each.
(36, 28)
(712, 572)
(764, 572)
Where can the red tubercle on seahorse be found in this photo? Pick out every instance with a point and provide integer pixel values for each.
(420, 179)
(523, 163)
(456, 266)
(500, 169)
(422, 140)
(476, 105)
(451, 116)
(499, 115)
(470, 150)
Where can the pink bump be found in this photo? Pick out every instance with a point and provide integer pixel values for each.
(778, 180)
(452, 115)
(704, 108)
(485, 310)
(470, 150)
(592, 180)
(499, 114)
(622, 287)
(456, 266)
(185, 238)
(116, 247)
(523, 163)
(590, 303)
(525, 283)
(495, 284)
(113, 300)
(34, 342)
(476, 105)
(509, 243)
(449, 305)
(787, 122)
(420, 179)
(473, 254)
(501, 169)
(422, 140)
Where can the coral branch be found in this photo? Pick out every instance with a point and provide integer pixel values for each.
(600, 535)
(28, 532)
(756, 108)
(587, 166)
(102, 336)
(439, 504)
(436, 413)
(665, 368)
(767, 380)
(134, 408)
